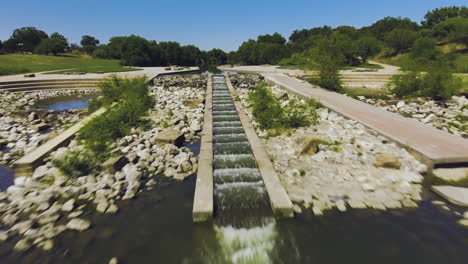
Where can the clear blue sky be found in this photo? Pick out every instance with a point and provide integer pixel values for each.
(205, 23)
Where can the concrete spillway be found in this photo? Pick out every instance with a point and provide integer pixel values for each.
(234, 169)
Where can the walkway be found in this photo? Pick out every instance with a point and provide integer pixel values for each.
(433, 145)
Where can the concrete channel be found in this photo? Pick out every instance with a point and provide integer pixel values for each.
(234, 168)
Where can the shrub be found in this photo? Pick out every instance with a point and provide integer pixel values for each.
(77, 163)
(266, 108)
(406, 84)
(133, 103)
(269, 113)
(438, 84)
(297, 114)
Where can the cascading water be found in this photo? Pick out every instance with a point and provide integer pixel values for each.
(244, 225)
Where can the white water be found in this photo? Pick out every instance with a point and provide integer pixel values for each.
(247, 245)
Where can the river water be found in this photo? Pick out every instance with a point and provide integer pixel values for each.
(157, 227)
(66, 102)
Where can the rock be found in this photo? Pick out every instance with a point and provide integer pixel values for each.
(22, 245)
(4, 236)
(455, 195)
(310, 146)
(282, 96)
(386, 160)
(463, 222)
(78, 224)
(340, 204)
(20, 181)
(102, 206)
(451, 175)
(41, 127)
(32, 116)
(368, 187)
(400, 104)
(75, 214)
(297, 209)
(465, 215)
(113, 208)
(30, 75)
(47, 245)
(60, 154)
(69, 205)
(170, 136)
(193, 103)
(317, 211)
(40, 172)
(114, 164)
(114, 260)
(131, 173)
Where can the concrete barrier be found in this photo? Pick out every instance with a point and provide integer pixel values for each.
(26, 165)
(203, 199)
(279, 199)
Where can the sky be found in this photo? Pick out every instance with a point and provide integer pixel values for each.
(205, 23)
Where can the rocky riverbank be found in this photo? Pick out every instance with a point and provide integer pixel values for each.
(23, 128)
(450, 116)
(39, 208)
(338, 163)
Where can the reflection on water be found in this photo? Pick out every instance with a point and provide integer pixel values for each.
(6, 177)
(157, 227)
(66, 102)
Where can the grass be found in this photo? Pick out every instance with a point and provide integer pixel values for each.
(464, 78)
(20, 63)
(460, 64)
(367, 92)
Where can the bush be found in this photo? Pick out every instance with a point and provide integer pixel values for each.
(51, 45)
(77, 163)
(438, 84)
(297, 114)
(133, 103)
(265, 107)
(269, 113)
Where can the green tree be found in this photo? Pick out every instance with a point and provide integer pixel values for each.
(89, 43)
(219, 55)
(384, 26)
(172, 52)
(425, 50)
(51, 45)
(439, 15)
(453, 30)
(26, 39)
(367, 46)
(400, 40)
(135, 51)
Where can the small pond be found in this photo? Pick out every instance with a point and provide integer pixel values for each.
(66, 102)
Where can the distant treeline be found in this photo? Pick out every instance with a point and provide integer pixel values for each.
(390, 36)
(345, 45)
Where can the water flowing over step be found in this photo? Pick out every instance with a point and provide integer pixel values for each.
(244, 225)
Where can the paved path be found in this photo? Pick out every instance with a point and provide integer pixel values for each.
(434, 146)
(148, 71)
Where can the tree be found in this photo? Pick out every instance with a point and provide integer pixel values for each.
(453, 30)
(135, 51)
(51, 45)
(384, 26)
(367, 46)
(172, 52)
(57, 35)
(400, 39)
(439, 15)
(425, 50)
(219, 56)
(26, 39)
(89, 43)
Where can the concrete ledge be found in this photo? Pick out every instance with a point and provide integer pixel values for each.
(430, 145)
(26, 165)
(279, 199)
(455, 195)
(203, 199)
